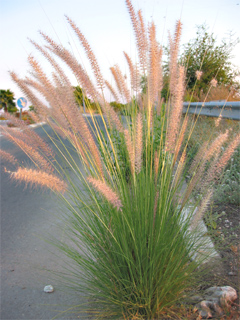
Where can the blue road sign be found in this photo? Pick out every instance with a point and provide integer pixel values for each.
(22, 103)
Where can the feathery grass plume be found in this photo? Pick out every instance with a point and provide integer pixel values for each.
(210, 174)
(68, 107)
(201, 210)
(121, 82)
(155, 65)
(198, 74)
(79, 125)
(113, 116)
(41, 76)
(113, 92)
(15, 121)
(117, 81)
(140, 35)
(213, 82)
(140, 101)
(133, 17)
(175, 112)
(143, 40)
(160, 73)
(53, 63)
(199, 163)
(173, 64)
(74, 65)
(8, 157)
(180, 139)
(34, 116)
(52, 94)
(39, 178)
(89, 52)
(205, 154)
(139, 143)
(39, 106)
(159, 106)
(130, 149)
(216, 145)
(28, 135)
(135, 79)
(30, 138)
(218, 120)
(79, 147)
(48, 92)
(156, 165)
(31, 152)
(227, 155)
(56, 80)
(180, 168)
(106, 191)
(95, 154)
(55, 111)
(198, 158)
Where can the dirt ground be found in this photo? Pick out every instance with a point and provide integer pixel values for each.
(227, 239)
(223, 224)
(226, 236)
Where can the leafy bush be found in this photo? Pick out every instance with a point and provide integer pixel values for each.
(203, 53)
(7, 101)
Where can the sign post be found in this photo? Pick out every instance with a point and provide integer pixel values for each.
(22, 103)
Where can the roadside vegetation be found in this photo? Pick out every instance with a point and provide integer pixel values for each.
(227, 187)
(132, 236)
(7, 101)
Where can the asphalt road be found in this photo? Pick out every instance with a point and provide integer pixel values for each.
(28, 216)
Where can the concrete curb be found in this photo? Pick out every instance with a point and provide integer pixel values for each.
(204, 243)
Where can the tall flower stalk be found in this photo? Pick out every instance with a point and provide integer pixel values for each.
(133, 249)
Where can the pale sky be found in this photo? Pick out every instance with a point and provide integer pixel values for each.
(106, 25)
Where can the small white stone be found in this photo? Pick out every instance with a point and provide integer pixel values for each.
(48, 289)
(228, 296)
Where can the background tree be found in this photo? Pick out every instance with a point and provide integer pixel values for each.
(7, 101)
(117, 106)
(204, 54)
(78, 93)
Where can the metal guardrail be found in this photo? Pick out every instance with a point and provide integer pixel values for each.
(229, 110)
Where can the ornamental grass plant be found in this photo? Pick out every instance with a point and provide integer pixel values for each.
(132, 228)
